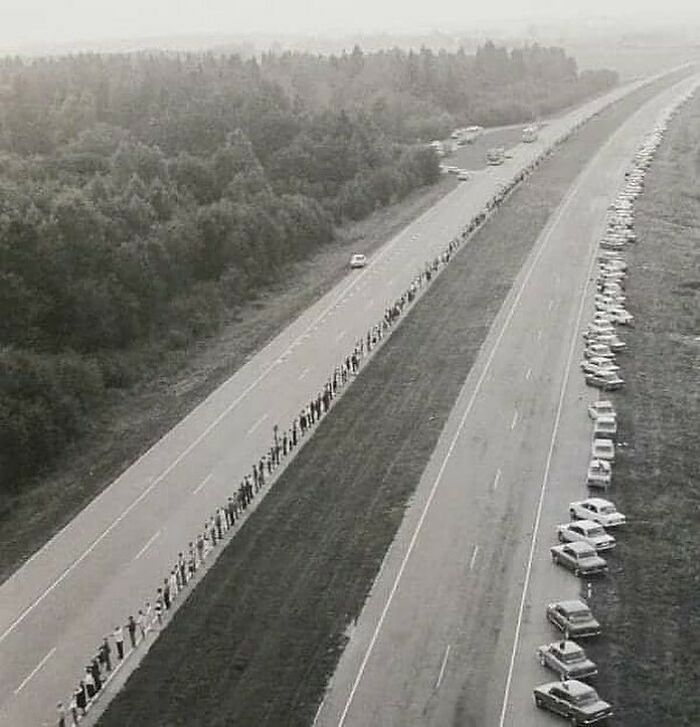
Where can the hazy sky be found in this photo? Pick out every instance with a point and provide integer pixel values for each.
(46, 21)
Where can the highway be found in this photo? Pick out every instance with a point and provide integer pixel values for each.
(100, 568)
(448, 633)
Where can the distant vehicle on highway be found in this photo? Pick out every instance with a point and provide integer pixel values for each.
(573, 618)
(567, 659)
(358, 260)
(463, 175)
(495, 156)
(452, 169)
(597, 509)
(603, 407)
(576, 701)
(599, 474)
(586, 531)
(530, 134)
(579, 557)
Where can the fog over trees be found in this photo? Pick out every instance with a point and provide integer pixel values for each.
(144, 198)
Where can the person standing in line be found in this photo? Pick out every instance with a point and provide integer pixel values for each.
(256, 480)
(302, 422)
(80, 696)
(284, 444)
(159, 607)
(61, 714)
(174, 587)
(200, 548)
(166, 593)
(294, 434)
(182, 570)
(106, 651)
(217, 521)
(261, 473)
(73, 707)
(231, 511)
(269, 464)
(147, 617)
(119, 641)
(131, 628)
(89, 683)
(96, 673)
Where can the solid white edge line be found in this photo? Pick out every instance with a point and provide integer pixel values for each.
(34, 671)
(473, 559)
(515, 420)
(511, 312)
(497, 478)
(203, 483)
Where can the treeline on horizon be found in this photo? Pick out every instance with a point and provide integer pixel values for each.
(144, 198)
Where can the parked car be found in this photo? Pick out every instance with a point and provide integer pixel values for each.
(586, 531)
(358, 260)
(598, 365)
(602, 407)
(599, 473)
(614, 343)
(605, 426)
(575, 700)
(579, 557)
(603, 449)
(597, 509)
(573, 618)
(605, 380)
(601, 350)
(567, 659)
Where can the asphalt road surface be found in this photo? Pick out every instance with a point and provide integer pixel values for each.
(449, 632)
(100, 568)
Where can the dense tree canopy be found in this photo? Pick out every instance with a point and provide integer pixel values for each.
(144, 197)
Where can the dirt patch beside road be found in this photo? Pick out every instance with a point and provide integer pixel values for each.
(257, 640)
(650, 606)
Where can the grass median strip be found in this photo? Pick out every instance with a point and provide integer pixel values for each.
(257, 640)
(649, 660)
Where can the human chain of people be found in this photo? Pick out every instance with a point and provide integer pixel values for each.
(141, 627)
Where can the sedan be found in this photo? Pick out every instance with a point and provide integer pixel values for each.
(598, 365)
(579, 557)
(605, 381)
(597, 509)
(586, 531)
(601, 350)
(605, 426)
(602, 407)
(358, 260)
(603, 449)
(567, 659)
(575, 700)
(573, 618)
(599, 473)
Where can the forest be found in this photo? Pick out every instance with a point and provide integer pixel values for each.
(146, 198)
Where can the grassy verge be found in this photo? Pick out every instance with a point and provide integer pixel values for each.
(256, 641)
(650, 658)
(139, 416)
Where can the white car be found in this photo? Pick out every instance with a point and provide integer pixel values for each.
(587, 531)
(603, 449)
(599, 474)
(463, 175)
(358, 260)
(598, 350)
(605, 426)
(620, 315)
(612, 341)
(597, 509)
(453, 170)
(604, 407)
(598, 365)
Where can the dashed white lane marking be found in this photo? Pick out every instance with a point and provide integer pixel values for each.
(34, 671)
(515, 420)
(150, 542)
(203, 483)
(473, 559)
(497, 478)
(258, 423)
(528, 374)
(443, 666)
(303, 373)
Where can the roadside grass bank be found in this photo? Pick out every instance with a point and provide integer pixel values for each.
(649, 659)
(138, 417)
(256, 642)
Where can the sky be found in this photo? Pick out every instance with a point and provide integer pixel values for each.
(59, 21)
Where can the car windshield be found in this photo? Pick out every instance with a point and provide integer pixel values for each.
(585, 699)
(607, 510)
(595, 532)
(579, 616)
(571, 657)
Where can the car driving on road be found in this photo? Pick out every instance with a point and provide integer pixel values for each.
(573, 618)
(358, 260)
(577, 701)
(567, 659)
(597, 509)
(579, 557)
(586, 531)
